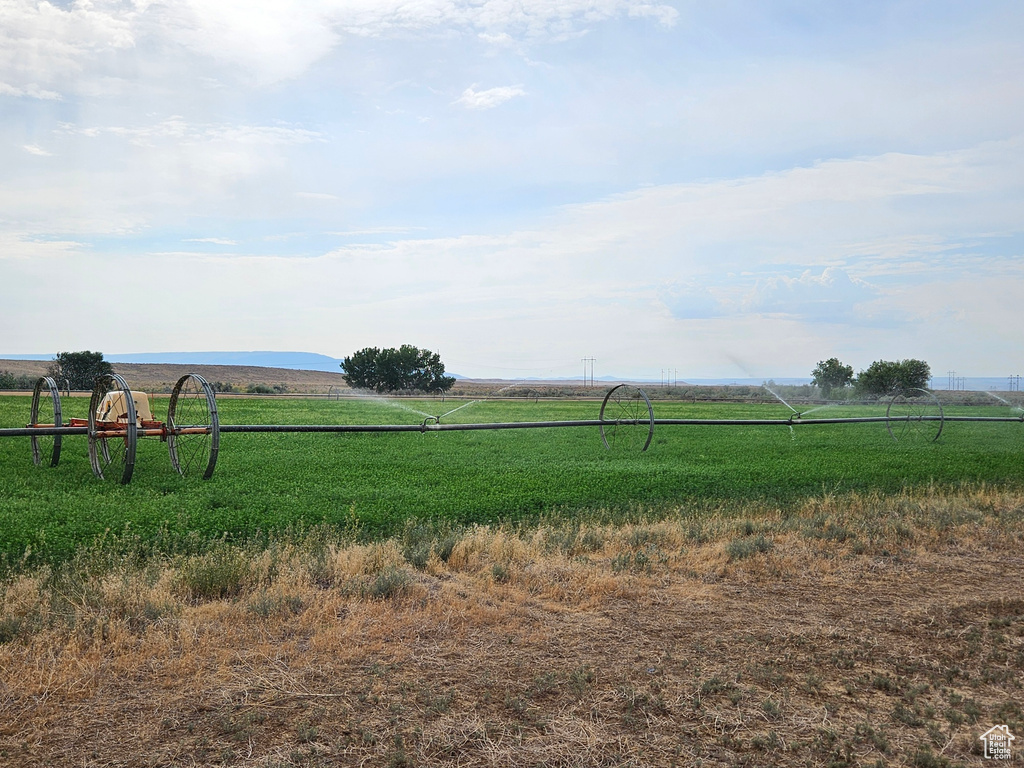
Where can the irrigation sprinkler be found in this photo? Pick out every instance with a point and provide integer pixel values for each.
(115, 416)
(118, 417)
(914, 414)
(46, 448)
(193, 427)
(627, 418)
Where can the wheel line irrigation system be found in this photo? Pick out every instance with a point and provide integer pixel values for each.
(118, 417)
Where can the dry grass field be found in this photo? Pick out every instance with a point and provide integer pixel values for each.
(155, 378)
(160, 378)
(851, 631)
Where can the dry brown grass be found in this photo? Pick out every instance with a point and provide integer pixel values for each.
(853, 631)
(159, 377)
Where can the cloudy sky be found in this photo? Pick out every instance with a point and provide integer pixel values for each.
(721, 188)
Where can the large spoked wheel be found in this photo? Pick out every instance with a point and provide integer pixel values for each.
(627, 419)
(914, 415)
(112, 440)
(193, 428)
(46, 412)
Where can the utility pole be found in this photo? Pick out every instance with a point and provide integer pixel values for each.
(590, 360)
(952, 380)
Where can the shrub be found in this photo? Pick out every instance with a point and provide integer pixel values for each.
(10, 380)
(739, 549)
(222, 572)
(391, 582)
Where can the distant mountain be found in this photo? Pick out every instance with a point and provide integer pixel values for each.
(295, 361)
(311, 361)
(748, 382)
(298, 361)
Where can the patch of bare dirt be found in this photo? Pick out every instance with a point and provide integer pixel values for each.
(632, 646)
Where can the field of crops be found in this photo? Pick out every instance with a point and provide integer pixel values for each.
(373, 483)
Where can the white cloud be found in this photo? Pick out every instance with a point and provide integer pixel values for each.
(867, 214)
(527, 17)
(125, 177)
(665, 14)
(830, 297)
(503, 39)
(25, 246)
(689, 300)
(489, 98)
(170, 142)
(178, 129)
(29, 90)
(41, 43)
(323, 196)
(212, 240)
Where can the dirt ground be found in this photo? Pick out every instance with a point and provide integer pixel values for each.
(641, 648)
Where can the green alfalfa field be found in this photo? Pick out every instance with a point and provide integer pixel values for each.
(377, 482)
(818, 595)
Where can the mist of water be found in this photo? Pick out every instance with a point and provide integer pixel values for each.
(1005, 401)
(819, 408)
(1000, 399)
(384, 401)
(779, 398)
(464, 405)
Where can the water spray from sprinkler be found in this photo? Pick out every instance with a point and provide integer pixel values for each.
(779, 398)
(385, 401)
(453, 410)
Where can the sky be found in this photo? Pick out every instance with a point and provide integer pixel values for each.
(723, 189)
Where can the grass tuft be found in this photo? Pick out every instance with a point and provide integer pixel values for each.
(223, 572)
(740, 549)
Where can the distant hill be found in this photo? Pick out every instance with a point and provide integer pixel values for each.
(296, 361)
(311, 361)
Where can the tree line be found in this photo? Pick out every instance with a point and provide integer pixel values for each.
(882, 377)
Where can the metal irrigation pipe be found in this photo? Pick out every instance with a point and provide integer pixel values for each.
(435, 427)
(424, 427)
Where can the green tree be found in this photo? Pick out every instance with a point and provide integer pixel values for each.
(831, 374)
(79, 369)
(883, 377)
(391, 370)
